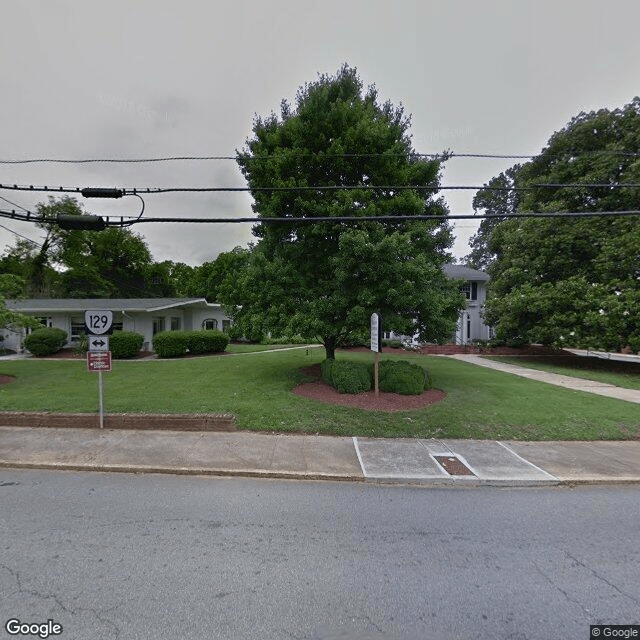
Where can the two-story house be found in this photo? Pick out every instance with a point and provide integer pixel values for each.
(471, 324)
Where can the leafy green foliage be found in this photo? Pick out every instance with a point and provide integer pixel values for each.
(170, 344)
(325, 279)
(206, 341)
(402, 377)
(348, 376)
(173, 344)
(92, 264)
(45, 341)
(125, 344)
(570, 281)
(326, 365)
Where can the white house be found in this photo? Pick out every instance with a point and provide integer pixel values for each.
(147, 316)
(471, 324)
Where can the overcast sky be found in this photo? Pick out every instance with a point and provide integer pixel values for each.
(151, 78)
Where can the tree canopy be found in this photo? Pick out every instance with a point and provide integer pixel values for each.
(84, 264)
(569, 281)
(324, 279)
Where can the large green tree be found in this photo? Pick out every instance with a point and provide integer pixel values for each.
(324, 279)
(85, 264)
(572, 281)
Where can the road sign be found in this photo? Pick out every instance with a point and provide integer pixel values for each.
(99, 361)
(98, 321)
(98, 343)
(376, 332)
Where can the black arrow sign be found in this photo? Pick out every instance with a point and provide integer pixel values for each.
(100, 344)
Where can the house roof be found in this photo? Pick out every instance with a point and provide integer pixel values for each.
(48, 305)
(460, 272)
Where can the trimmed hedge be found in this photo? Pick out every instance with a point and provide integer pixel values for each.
(173, 344)
(405, 378)
(206, 341)
(125, 344)
(351, 377)
(170, 344)
(45, 341)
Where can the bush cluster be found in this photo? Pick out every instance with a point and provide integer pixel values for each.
(45, 341)
(394, 376)
(125, 344)
(405, 378)
(172, 344)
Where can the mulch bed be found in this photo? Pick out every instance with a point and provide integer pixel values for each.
(320, 390)
(6, 379)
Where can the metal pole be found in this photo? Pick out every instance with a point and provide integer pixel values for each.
(100, 396)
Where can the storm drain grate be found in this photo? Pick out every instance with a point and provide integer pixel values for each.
(453, 466)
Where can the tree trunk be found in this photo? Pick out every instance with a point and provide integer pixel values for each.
(329, 346)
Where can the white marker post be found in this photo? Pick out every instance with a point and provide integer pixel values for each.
(99, 356)
(376, 345)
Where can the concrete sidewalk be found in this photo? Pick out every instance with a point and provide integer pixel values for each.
(568, 382)
(422, 461)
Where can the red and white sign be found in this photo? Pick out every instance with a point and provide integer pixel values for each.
(99, 361)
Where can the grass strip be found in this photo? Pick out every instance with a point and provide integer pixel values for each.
(480, 403)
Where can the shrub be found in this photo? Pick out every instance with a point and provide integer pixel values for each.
(170, 344)
(351, 377)
(45, 341)
(326, 366)
(125, 344)
(394, 344)
(399, 376)
(81, 345)
(206, 341)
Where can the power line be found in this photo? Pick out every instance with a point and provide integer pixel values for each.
(37, 244)
(122, 222)
(136, 191)
(442, 156)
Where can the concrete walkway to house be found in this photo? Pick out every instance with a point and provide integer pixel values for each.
(568, 382)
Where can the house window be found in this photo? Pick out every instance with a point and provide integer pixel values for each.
(470, 290)
(158, 325)
(115, 326)
(209, 324)
(175, 324)
(225, 325)
(78, 328)
(44, 321)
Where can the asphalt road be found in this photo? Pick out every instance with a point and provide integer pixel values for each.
(157, 556)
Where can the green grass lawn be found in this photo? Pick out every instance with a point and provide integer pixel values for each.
(256, 388)
(620, 374)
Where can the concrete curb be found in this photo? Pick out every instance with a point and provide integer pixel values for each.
(182, 471)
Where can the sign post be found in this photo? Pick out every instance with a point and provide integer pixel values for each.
(376, 345)
(99, 356)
